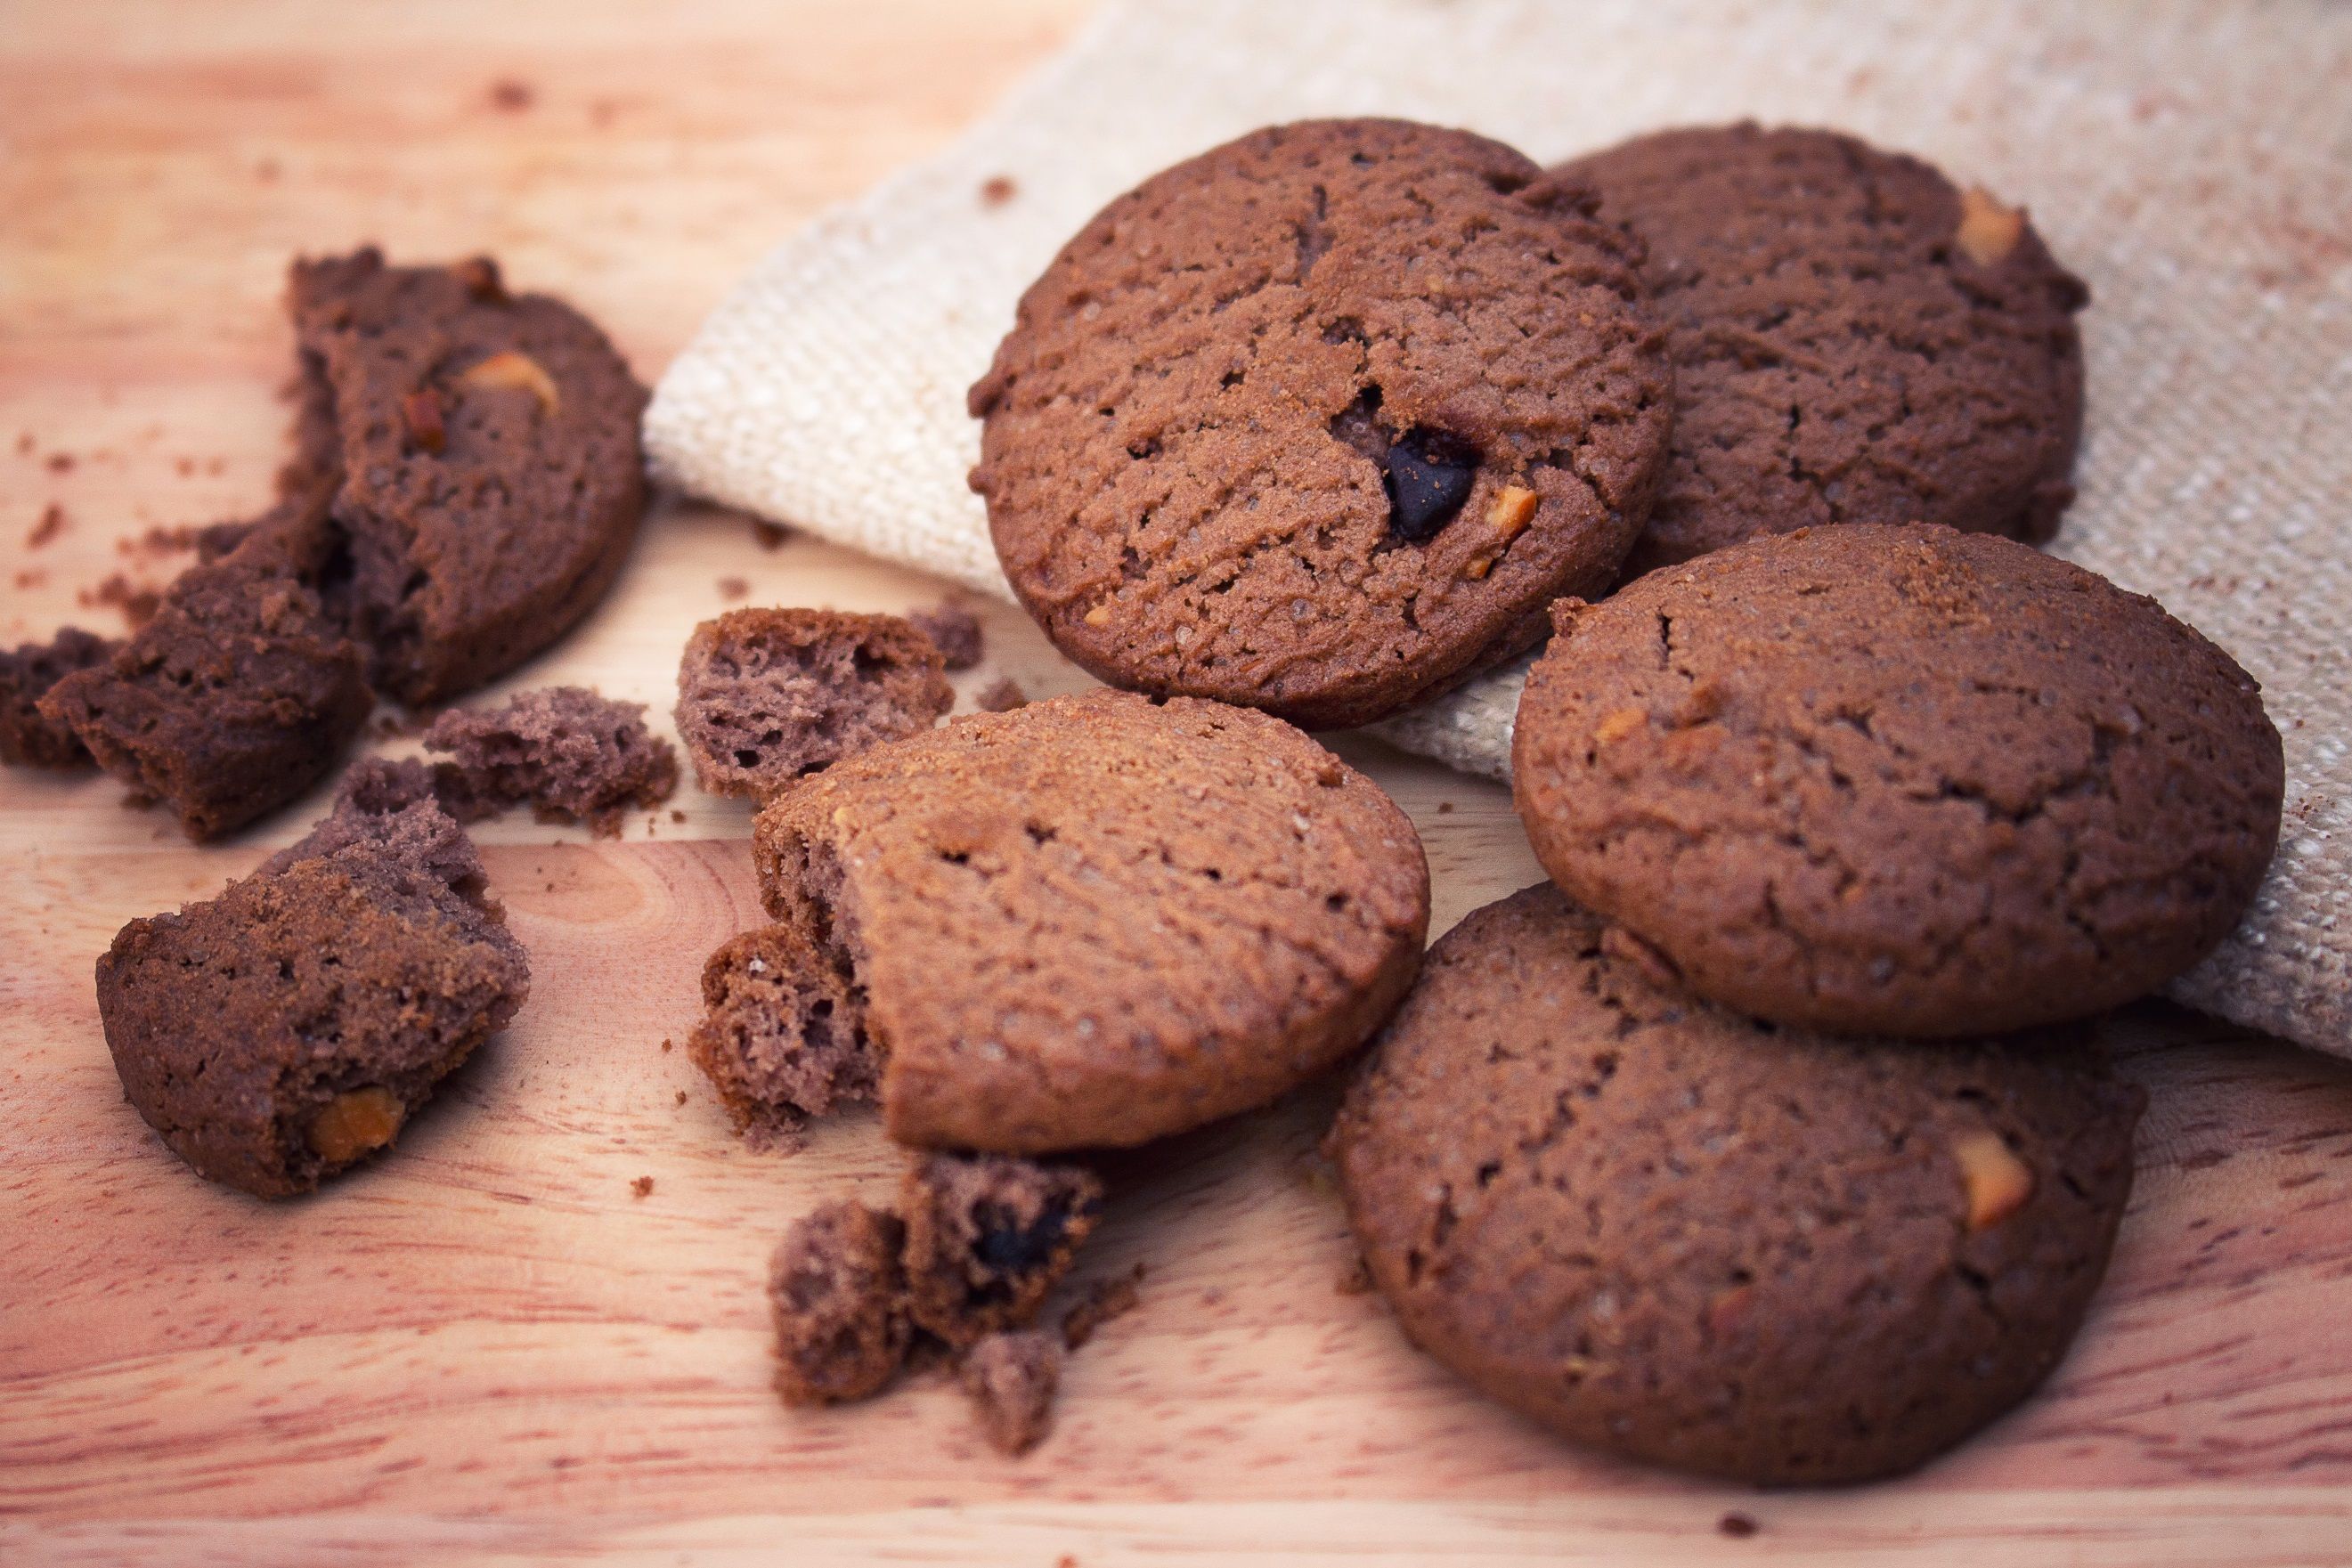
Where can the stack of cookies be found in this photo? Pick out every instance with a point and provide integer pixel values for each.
(1769, 1141)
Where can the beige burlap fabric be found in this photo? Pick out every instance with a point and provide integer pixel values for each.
(2193, 162)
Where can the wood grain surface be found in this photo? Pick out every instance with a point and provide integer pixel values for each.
(489, 1348)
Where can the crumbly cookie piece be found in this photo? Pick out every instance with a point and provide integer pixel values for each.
(1899, 780)
(1319, 421)
(1002, 694)
(1011, 1379)
(491, 478)
(572, 755)
(766, 696)
(1854, 340)
(288, 1028)
(1147, 916)
(238, 696)
(953, 631)
(988, 1237)
(779, 1039)
(1668, 1232)
(837, 1291)
(26, 736)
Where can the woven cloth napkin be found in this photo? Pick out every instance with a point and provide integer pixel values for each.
(2191, 160)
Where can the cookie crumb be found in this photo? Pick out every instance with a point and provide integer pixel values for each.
(666, 1046)
(1109, 1300)
(61, 461)
(954, 630)
(572, 755)
(1002, 694)
(734, 589)
(643, 1186)
(766, 696)
(512, 95)
(682, 1093)
(997, 190)
(989, 1237)
(137, 601)
(1011, 1379)
(677, 816)
(769, 536)
(52, 524)
(1445, 808)
(837, 1294)
(1739, 1526)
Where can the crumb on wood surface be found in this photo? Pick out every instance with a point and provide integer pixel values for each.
(643, 1186)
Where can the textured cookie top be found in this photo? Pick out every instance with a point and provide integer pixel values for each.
(1899, 778)
(1854, 340)
(1671, 1233)
(1319, 419)
(1098, 920)
(492, 479)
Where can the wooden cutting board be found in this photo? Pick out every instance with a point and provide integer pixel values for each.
(490, 1348)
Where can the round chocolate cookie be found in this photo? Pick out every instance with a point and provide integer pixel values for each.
(1899, 780)
(1681, 1237)
(1319, 422)
(1093, 921)
(1854, 340)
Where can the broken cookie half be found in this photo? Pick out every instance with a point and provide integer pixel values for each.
(289, 1028)
(1089, 923)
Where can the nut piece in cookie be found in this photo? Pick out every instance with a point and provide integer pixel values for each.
(240, 692)
(1854, 340)
(1251, 432)
(783, 1039)
(288, 1027)
(1899, 780)
(1796, 1258)
(838, 1295)
(766, 696)
(572, 755)
(26, 736)
(1011, 1379)
(988, 1237)
(1098, 920)
(493, 479)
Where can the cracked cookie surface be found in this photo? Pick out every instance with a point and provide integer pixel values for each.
(1096, 920)
(1671, 1233)
(1319, 421)
(1899, 780)
(1854, 340)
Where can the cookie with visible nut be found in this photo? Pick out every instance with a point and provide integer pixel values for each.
(1096, 920)
(1901, 780)
(289, 1028)
(492, 480)
(1318, 421)
(1684, 1237)
(1854, 338)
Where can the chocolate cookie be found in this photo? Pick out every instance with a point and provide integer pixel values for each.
(490, 476)
(1668, 1232)
(26, 676)
(1094, 920)
(1899, 778)
(573, 756)
(767, 695)
(1854, 340)
(989, 1238)
(778, 1039)
(837, 1292)
(1318, 421)
(288, 1027)
(239, 695)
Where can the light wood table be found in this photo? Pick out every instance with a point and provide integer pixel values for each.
(489, 1348)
